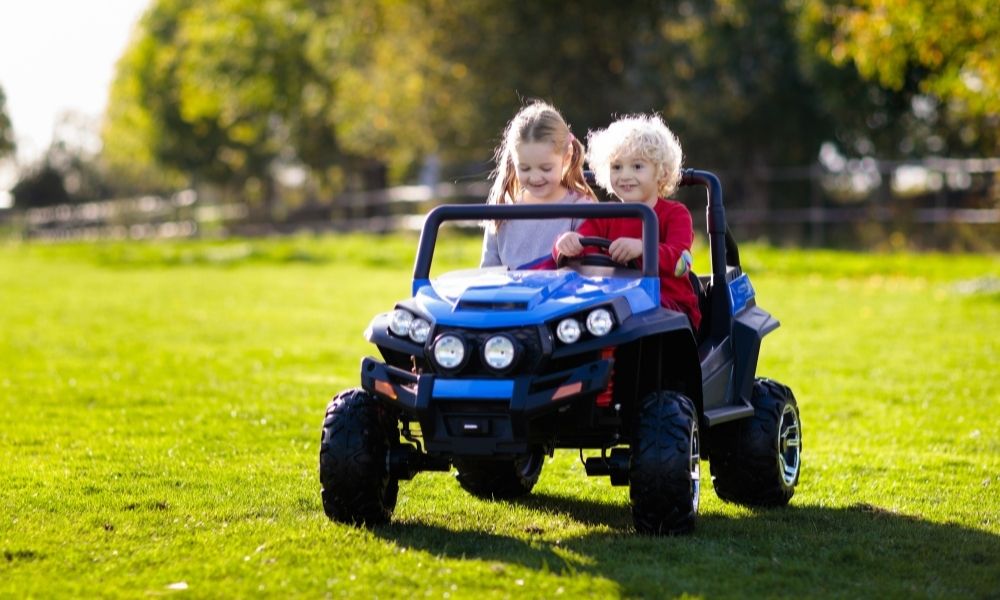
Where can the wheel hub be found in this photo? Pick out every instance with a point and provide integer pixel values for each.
(789, 445)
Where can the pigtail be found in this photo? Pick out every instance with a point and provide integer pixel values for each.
(504, 181)
(504, 176)
(574, 178)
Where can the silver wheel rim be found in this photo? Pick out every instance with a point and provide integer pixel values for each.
(695, 468)
(789, 445)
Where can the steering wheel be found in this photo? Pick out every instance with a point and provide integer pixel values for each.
(596, 260)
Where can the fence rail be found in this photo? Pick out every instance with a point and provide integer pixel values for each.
(185, 214)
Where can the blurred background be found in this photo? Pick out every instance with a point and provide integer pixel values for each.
(868, 124)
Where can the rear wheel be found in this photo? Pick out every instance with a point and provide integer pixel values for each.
(353, 469)
(756, 461)
(500, 479)
(665, 474)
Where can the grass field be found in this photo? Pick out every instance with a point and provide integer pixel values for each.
(160, 410)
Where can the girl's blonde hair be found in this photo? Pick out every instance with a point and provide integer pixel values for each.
(641, 136)
(536, 122)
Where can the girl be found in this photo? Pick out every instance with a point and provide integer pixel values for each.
(538, 161)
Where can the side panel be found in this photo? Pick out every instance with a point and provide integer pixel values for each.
(717, 373)
(749, 328)
(670, 362)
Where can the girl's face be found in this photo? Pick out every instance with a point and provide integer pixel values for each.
(540, 171)
(634, 179)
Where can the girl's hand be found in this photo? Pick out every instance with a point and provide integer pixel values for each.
(625, 249)
(568, 244)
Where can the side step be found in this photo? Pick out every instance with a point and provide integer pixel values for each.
(724, 414)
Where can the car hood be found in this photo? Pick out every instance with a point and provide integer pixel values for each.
(497, 297)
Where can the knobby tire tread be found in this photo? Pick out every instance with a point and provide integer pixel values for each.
(744, 455)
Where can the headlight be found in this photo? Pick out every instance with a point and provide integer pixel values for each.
(400, 321)
(498, 352)
(568, 331)
(419, 329)
(449, 351)
(599, 322)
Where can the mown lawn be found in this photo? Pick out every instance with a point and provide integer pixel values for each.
(160, 410)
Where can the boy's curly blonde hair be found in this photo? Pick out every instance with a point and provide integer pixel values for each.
(642, 136)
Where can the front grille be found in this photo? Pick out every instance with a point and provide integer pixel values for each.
(474, 406)
(530, 356)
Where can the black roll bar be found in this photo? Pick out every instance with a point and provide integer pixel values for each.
(715, 217)
(722, 246)
(507, 212)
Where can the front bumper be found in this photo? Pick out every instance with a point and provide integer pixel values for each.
(483, 416)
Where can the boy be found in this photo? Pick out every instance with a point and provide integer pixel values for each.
(639, 159)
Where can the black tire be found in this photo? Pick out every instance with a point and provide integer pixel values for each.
(353, 470)
(665, 474)
(756, 461)
(500, 479)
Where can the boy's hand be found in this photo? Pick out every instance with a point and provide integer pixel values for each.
(568, 244)
(625, 249)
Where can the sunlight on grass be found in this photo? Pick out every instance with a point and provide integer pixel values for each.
(160, 407)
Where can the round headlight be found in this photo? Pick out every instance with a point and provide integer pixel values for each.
(568, 331)
(498, 352)
(599, 322)
(449, 351)
(400, 321)
(419, 329)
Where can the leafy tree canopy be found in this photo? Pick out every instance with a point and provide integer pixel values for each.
(229, 90)
(953, 42)
(940, 56)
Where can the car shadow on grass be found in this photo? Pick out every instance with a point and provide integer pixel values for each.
(855, 551)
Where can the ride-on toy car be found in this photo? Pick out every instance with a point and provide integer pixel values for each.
(489, 371)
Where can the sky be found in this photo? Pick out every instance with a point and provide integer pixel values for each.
(58, 56)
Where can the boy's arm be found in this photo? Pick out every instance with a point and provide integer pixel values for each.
(676, 238)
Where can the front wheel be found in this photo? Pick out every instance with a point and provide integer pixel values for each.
(665, 474)
(500, 479)
(756, 461)
(357, 486)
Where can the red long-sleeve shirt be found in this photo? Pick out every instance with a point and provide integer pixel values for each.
(676, 234)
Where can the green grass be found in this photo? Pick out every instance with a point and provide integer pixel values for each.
(160, 407)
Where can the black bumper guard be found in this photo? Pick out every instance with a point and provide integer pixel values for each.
(494, 417)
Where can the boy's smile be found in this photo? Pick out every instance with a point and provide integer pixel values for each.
(634, 179)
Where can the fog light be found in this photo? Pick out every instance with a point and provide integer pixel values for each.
(568, 331)
(599, 322)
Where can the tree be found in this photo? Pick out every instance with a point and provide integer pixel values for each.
(69, 172)
(228, 91)
(345, 84)
(40, 185)
(7, 145)
(725, 74)
(938, 59)
(211, 89)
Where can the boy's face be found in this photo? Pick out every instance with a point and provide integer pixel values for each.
(634, 179)
(540, 171)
